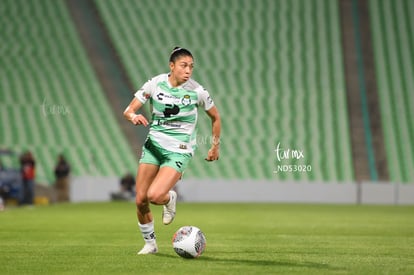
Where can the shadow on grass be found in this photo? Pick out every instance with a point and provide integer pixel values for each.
(251, 262)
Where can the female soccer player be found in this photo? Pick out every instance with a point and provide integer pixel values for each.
(175, 98)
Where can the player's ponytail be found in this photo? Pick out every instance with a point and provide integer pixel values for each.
(178, 52)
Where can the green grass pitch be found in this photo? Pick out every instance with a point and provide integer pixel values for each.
(103, 238)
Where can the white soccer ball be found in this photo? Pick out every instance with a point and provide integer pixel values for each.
(189, 242)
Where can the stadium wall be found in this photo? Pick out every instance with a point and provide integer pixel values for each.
(91, 189)
(247, 191)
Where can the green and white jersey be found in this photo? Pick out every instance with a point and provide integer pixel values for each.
(174, 112)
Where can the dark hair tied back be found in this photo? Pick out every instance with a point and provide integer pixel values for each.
(178, 52)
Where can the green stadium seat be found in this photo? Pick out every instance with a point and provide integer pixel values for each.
(274, 69)
(51, 101)
(393, 41)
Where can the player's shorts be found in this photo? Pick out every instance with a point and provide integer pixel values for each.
(154, 154)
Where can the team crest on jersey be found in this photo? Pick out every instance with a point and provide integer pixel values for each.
(186, 100)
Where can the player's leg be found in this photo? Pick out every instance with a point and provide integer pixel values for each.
(145, 175)
(166, 178)
(160, 192)
(172, 168)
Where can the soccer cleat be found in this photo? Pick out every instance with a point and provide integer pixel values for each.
(169, 209)
(148, 249)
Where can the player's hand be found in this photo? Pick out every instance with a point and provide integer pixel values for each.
(139, 120)
(213, 154)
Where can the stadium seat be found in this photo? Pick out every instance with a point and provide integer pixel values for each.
(392, 29)
(51, 101)
(274, 69)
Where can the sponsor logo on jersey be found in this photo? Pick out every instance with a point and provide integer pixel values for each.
(168, 123)
(161, 96)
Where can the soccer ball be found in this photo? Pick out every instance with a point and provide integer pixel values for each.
(189, 242)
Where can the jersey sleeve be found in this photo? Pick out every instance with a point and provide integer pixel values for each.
(145, 92)
(205, 99)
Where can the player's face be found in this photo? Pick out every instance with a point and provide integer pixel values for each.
(182, 69)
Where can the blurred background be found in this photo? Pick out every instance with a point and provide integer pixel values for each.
(315, 96)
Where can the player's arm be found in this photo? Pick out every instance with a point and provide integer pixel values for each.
(130, 113)
(213, 153)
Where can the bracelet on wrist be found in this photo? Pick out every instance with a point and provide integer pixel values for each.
(132, 116)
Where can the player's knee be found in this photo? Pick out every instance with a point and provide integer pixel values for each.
(141, 201)
(156, 197)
